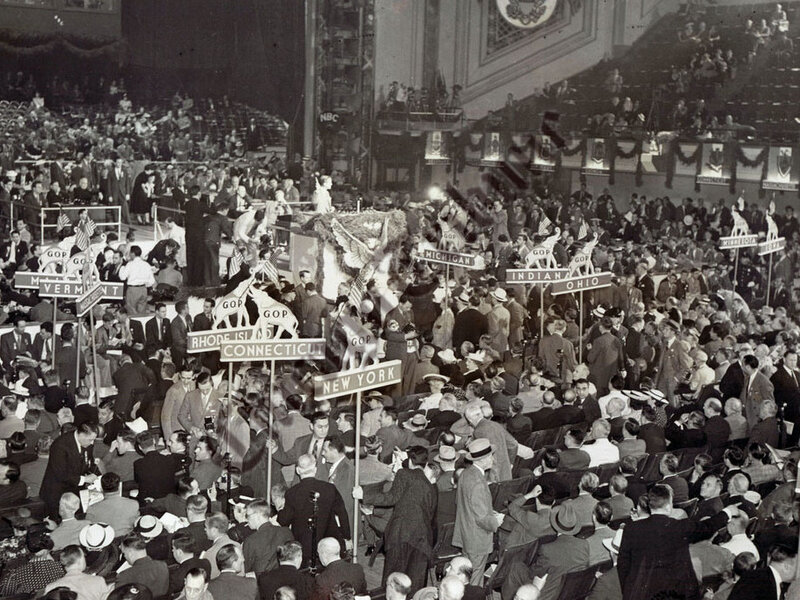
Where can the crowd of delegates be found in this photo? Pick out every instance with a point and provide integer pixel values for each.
(149, 467)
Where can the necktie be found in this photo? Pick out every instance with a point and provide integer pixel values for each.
(47, 349)
(188, 324)
(315, 448)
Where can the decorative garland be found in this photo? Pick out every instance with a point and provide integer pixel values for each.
(566, 151)
(617, 152)
(27, 44)
(675, 152)
(762, 160)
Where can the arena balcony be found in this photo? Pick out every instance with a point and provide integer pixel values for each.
(395, 121)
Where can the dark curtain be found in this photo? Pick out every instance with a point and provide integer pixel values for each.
(251, 50)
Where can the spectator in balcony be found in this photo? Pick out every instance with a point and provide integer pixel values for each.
(455, 99)
(499, 221)
(680, 116)
(751, 40)
(763, 33)
(783, 50)
(778, 19)
(713, 35)
(687, 35)
(614, 82)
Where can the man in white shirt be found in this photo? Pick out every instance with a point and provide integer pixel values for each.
(703, 374)
(739, 542)
(615, 385)
(138, 274)
(602, 451)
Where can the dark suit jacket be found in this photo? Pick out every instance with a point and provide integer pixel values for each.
(261, 547)
(573, 459)
(233, 586)
(413, 520)
(146, 571)
(338, 572)
(129, 378)
(645, 568)
(732, 382)
(331, 514)
(22, 252)
(301, 446)
(285, 575)
(653, 435)
(718, 430)
(151, 335)
(470, 324)
(9, 349)
(155, 474)
(177, 573)
(563, 555)
(787, 392)
(198, 531)
(38, 344)
(758, 583)
(118, 187)
(64, 469)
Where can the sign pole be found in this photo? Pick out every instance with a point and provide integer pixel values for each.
(94, 353)
(356, 516)
(269, 446)
(53, 337)
(580, 325)
(736, 270)
(78, 356)
(769, 282)
(447, 285)
(541, 312)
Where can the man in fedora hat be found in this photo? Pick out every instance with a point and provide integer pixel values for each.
(446, 457)
(563, 555)
(476, 520)
(499, 320)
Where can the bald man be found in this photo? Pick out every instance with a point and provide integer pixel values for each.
(298, 508)
(337, 570)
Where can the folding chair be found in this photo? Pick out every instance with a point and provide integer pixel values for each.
(577, 585)
(524, 553)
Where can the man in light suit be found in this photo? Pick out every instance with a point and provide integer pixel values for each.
(673, 361)
(121, 513)
(173, 401)
(341, 472)
(757, 388)
(476, 520)
(198, 405)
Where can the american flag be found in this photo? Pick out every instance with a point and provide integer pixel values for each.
(544, 225)
(237, 260)
(270, 266)
(357, 290)
(63, 222)
(84, 233)
(583, 231)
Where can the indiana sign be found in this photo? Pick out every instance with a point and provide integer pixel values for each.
(357, 380)
(771, 246)
(535, 275)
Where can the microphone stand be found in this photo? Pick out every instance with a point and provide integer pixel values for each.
(227, 462)
(312, 524)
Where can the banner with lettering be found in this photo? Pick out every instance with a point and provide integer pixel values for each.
(598, 156)
(544, 154)
(783, 170)
(437, 148)
(715, 165)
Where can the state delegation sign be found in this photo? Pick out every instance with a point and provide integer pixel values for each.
(30, 280)
(288, 349)
(455, 259)
(535, 275)
(582, 283)
(357, 380)
(211, 340)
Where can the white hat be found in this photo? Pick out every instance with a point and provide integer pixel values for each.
(96, 536)
(148, 526)
(447, 355)
(500, 295)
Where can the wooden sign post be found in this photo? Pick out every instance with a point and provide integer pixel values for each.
(357, 381)
(770, 247)
(448, 258)
(580, 284)
(734, 242)
(533, 276)
(233, 351)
